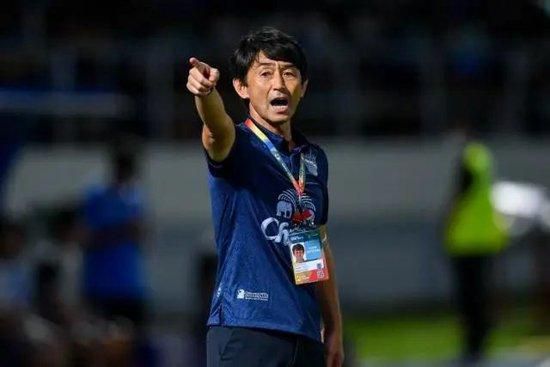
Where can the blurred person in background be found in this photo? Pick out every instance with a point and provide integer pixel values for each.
(58, 295)
(474, 234)
(26, 339)
(541, 254)
(12, 139)
(113, 265)
(15, 294)
(259, 317)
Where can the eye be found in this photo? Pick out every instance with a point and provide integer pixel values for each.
(265, 73)
(290, 73)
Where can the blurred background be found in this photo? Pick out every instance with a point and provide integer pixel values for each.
(92, 96)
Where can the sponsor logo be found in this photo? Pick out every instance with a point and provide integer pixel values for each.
(252, 296)
(276, 228)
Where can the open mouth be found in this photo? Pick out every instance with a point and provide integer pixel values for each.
(279, 102)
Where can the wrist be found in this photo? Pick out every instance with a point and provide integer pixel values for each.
(205, 95)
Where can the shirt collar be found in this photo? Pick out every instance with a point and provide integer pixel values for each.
(279, 142)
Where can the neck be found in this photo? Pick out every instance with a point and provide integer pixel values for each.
(283, 129)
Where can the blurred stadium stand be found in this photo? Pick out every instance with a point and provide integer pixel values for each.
(81, 70)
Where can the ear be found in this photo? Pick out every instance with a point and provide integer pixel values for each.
(241, 88)
(304, 88)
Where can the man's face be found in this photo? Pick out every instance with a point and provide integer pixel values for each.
(299, 255)
(274, 89)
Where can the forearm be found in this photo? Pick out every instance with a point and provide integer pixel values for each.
(218, 131)
(327, 294)
(212, 113)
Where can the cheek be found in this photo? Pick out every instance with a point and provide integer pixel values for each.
(259, 102)
(296, 93)
(259, 94)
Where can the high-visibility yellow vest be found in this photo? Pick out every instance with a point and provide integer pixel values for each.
(474, 227)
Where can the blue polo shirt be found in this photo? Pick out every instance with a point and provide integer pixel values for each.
(114, 269)
(253, 206)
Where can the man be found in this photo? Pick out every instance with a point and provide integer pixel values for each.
(298, 252)
(267, 183)
(113, 269)
(474, 235)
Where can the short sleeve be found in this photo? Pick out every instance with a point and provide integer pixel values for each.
(90, 213)
(227, 167)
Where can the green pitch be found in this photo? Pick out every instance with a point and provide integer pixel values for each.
(428, 337)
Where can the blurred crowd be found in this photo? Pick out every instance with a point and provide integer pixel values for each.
(78, 71)
(42, 321)
(77, 295)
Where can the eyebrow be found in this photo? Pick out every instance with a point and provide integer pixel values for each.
(287, 64)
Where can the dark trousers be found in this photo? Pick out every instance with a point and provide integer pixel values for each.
(244, 347)
(472, 291)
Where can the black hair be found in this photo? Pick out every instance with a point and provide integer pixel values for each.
(124, 153)
(275, 44)
(124, 165)
(298, 247)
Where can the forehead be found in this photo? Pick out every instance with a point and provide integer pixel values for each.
(262, 60)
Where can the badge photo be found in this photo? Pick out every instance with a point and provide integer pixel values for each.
(308, 258)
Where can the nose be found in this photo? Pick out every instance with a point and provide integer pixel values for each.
(278, 81)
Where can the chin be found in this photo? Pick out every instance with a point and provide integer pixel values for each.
(280, 119)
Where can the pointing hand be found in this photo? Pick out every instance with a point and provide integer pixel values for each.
(202, 78)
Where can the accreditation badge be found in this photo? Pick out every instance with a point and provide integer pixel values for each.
(308, 256)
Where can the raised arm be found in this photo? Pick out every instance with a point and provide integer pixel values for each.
(218, 132)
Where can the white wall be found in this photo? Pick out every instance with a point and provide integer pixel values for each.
(385, 200)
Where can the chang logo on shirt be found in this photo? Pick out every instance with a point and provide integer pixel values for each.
(276, 228)
(252, 296)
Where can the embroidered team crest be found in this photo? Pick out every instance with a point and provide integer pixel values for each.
(287, 207)
(310, 161)
(276, 228)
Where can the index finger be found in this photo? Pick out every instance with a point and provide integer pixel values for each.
(203, 67)
(194, 62)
